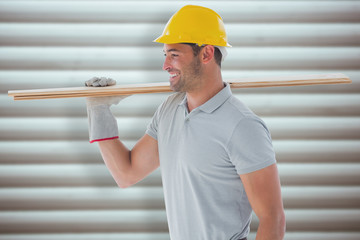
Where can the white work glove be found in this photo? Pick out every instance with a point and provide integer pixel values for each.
(102, 123)
(100, 82)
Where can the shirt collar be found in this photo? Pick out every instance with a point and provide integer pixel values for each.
(184, 101)
(213, 103)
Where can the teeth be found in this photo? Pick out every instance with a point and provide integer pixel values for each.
(173, 75)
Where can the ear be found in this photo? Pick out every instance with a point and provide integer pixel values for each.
(207, 53)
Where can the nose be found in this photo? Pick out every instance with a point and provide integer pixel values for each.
(166, 65)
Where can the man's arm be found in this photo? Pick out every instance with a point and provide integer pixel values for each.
(128, 167)
(264, 193)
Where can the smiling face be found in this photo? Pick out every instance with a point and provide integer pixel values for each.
(184, 68)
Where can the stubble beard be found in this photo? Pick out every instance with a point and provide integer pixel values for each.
(190, 78)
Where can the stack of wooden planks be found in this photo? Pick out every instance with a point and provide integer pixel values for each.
(314, 79)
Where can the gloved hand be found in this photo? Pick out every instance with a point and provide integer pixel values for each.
(100, 82)
(102, 123)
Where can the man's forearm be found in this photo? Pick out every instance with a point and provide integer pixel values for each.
(271, 228)
(117, 159)
(128, 167)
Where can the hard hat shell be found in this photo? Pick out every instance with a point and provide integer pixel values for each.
(195, 24)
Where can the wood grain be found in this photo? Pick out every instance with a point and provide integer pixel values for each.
(298, 80)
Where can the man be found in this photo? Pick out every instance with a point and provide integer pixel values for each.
(216, 156)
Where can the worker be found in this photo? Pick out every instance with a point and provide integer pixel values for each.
(216, 156)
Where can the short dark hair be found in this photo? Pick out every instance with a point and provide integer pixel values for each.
(196, 50)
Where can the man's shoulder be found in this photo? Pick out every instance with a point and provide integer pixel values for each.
(171, 101)
(242, 115)
(175, 98)
(238, 108)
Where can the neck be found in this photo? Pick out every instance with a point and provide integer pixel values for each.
(211, 85)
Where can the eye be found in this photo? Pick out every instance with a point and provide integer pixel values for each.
(171, 55)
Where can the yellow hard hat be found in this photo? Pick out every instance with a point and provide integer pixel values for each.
(195, 24)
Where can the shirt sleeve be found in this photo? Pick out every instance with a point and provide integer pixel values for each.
(153, 126)
(250, 146)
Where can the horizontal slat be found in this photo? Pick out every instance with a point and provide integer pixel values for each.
(160, 11)
(313, 127)
(52, 152)
(63, 175)
(319, 235)
(146, 105)
(155, 220)
(302, 104)
(151, 58)
(339, 174)
(319, 197)
(92, 236)
(35, 175)
(83, 221)
(63, 128)
(322, 220)
(92, 198)
(164, 236)
(16, 80)
(283, 34)
(133, 128)
(313, 151)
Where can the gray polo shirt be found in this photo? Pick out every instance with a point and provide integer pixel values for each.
(202, 154)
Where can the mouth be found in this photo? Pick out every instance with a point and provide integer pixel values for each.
(173, 75)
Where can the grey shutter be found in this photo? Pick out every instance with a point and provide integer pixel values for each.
(53, 183)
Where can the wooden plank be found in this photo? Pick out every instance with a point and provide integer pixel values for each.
(298, 80)
(90, 91)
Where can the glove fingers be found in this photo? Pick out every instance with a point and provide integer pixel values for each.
(100, 82)
(90, 82)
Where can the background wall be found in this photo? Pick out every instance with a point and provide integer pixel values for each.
(53, 183)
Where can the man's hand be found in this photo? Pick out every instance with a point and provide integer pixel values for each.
(102, 123)
(100, 82)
